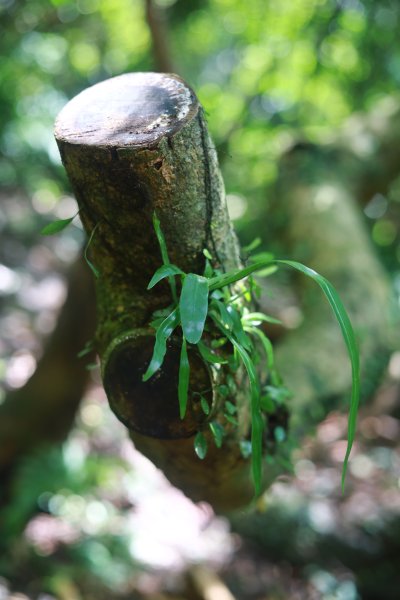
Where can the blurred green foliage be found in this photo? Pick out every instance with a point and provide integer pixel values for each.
(267, 72)
(261, 69)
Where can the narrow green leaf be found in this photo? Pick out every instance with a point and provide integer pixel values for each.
(223, 390)
(237, 330)
(230, 407)
(210, 356)
(218, 343)
(231, 419)
(207, 254)
(164, 254)
(352, 348)
(257, 423)
(88, 347)
(341, 316)
(94, 270)
(56, 226)
(161, 239)
(262, 256)
(200, 445)
(220, 281)
(224, 315)
(155, 323)
(91, 366)
(269, 351)
(267, 404)
(208, 270)
(162, 272)
(184, 375)
(193, 305)
(218, 433)
(160, 347)
(204, 405)
(255, 318)
(253, 245)
(91, 266)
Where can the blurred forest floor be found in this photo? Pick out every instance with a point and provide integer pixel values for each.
(104, 523)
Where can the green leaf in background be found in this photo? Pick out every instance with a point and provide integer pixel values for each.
(184, 375)
(160, 347)
(56, 226)
(193, 306)
(253, 245)
(200, 445)
(162, 272)
(352, 348)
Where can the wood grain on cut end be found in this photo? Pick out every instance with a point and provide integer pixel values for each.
(135, 109)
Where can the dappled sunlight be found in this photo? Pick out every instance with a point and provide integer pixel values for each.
(9, 281)
(88, 516)
(20, 367)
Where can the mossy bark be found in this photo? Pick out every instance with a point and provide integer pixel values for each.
(135, 145)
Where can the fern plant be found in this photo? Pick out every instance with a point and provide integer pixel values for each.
(207, 299)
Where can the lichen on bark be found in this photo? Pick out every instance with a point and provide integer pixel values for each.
(135, 145)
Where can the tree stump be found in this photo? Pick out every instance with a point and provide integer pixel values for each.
(134, 145)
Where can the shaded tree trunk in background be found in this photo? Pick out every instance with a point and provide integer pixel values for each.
(317, 221)
(157, 21)
(43, 411)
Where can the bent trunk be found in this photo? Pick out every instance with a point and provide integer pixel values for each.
(135, 145)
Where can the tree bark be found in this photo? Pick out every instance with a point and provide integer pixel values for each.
(135, 145)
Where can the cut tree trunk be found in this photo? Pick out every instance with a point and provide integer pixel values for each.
(135, 145)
